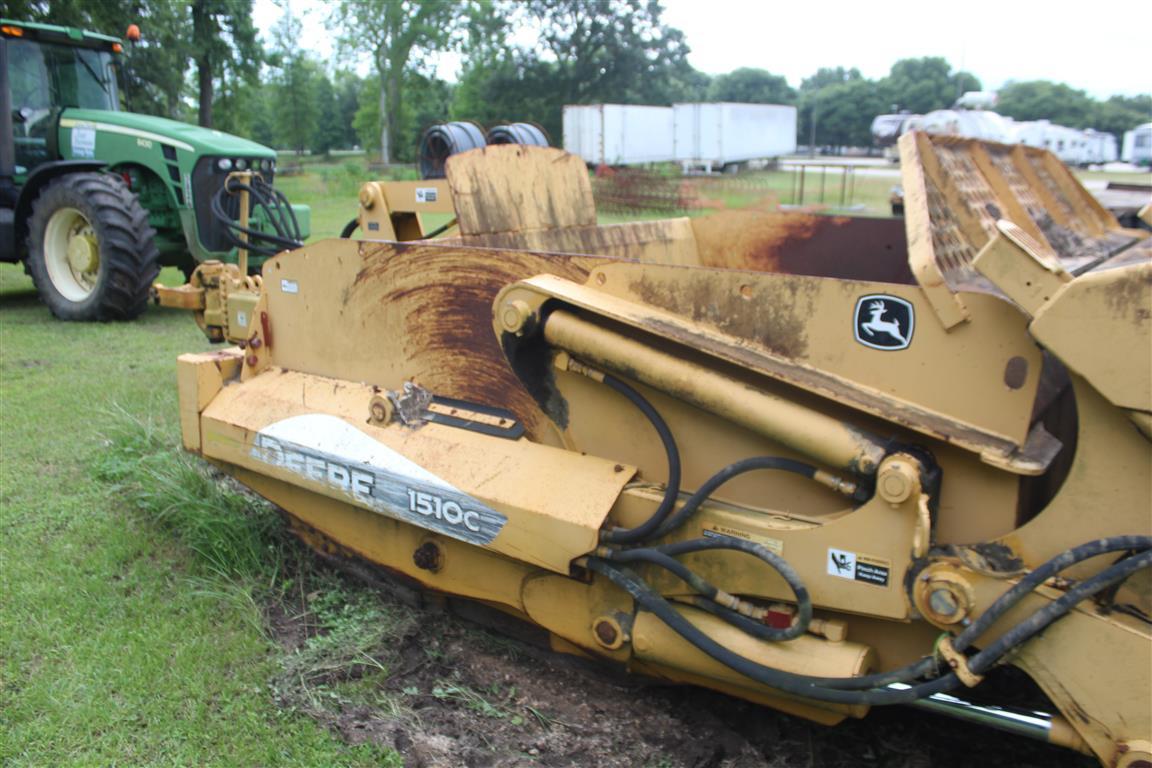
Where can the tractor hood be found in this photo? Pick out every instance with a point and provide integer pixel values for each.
(190, 138)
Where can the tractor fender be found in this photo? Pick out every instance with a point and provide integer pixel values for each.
(37, 180)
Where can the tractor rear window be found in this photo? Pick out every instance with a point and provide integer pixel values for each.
(44, 75)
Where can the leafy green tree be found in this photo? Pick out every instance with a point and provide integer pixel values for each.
(366, 122)
(587, 52)
(826, 76)
(843, 113)
(924, 84)
(430, 102)
(400, 34)
(612, 51)
(346, 87)
(1122, 113)
(223, 44)
(754, 86)
(329, 133)
(809, 102)
(295, 85)
(1045, 100)
(517, 87)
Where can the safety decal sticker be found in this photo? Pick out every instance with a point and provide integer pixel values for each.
(884, 322)
(856, 567)
(425, 194)
(84, 141)
(329, 451)
(717, 531)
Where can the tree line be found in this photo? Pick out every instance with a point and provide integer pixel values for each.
(204, 61)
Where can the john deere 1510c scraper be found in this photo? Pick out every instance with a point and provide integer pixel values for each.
(820, 463)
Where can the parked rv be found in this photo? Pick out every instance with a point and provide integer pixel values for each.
(1138, 145)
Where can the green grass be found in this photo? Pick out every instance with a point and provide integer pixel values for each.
(121, 643)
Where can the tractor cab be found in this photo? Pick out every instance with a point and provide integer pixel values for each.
(49, 70)
(95, 200)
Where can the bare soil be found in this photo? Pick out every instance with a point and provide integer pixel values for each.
(471, 697)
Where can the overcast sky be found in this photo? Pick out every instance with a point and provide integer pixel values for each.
(1100, 47)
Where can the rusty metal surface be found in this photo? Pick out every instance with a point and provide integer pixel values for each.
(846, 247)
(512, 188)
(969, 185)
(394, 312)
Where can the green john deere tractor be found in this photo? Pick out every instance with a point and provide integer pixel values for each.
(94, 200)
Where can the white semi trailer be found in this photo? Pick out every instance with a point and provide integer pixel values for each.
(724, 134)
(619, 134)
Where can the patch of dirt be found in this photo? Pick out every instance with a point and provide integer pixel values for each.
(455, 694)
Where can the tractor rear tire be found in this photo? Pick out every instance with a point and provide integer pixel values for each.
(91, 252)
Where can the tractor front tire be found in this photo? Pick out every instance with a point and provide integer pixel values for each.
(91, 252)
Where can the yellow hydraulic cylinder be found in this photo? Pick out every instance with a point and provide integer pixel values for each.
(827, 440)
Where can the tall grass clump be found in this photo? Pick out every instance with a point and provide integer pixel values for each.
(238, 537)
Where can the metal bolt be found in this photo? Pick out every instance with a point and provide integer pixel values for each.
(515, 315)
(252, 360)
(897, 481)
(379, 410)
(256, 343)
(943, 603)
(605, 632)
(427, 557)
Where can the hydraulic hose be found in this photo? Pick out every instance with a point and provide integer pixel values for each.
(839, 690)
(723, 476)
(1002, 604)
(663, 557)
(797, 685)
(672, 489)
(1039, 575)
(278, 213)
(1041, 619)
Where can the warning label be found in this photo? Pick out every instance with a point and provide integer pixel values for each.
(425, 194)
(716, 531)
(856, 567)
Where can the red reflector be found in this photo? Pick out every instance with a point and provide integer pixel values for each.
(778, 619)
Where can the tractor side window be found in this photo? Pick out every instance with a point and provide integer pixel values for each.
(31, 103)
(83, 78)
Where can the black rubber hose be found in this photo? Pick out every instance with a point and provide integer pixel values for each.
(924, 668)
(1042, 573)
(663, 557)
(1042, 618)
(349, 228)
(790, 575)
(818, 688)
(279, 210)
(798, 685)
(724, 475)
(928, 665)
(278, 213)
(672, 489)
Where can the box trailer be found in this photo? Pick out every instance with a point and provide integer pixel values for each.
(618, 134)
(718, 134)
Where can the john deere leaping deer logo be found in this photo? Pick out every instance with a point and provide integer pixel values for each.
(884, 322)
